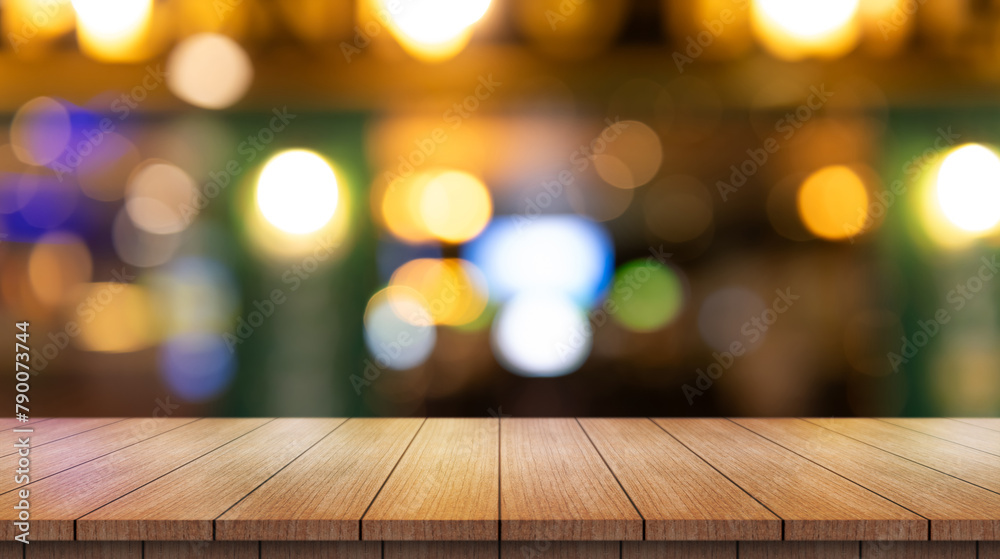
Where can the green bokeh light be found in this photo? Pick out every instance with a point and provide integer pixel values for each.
(647, 295)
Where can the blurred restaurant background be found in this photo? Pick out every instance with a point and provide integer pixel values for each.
(506, 207)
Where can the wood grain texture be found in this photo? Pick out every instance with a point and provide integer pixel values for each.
(51, 431)
(679, 550)
(440, 550)
(11, 550)
(799, 550)
(957, 510)
(320, 550)
(973, 436)
(815, 503)
(560, 550)
(58, 500)
(201, 550)
(974, 466)
(555, 486)
(678, 494)
(989, 550)
(323, 494)
(918, 550)
(445, 487)
(75, 450)
(183, 504)
(84, 550)
(991, 423)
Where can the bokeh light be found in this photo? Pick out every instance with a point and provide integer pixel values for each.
(40, 131)
(453, 290)
(194, 294)
(647, 295)
(833, 203)
(297, 191)
(59, 262)
(115, 318)
(103, 173)
(792, 29)
(394, 342)
(139, 247)
(629, 154)
(562, 253)
(968, 188)
(160, 197)
(455, 206)
(210, 71)
(432, 29)
(197, 366)
(114, 30)
(541, 334)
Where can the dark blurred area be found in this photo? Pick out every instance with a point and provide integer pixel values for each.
(506, 207)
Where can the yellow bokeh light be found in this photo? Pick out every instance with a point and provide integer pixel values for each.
(452, 290)
(114, 30)
(455, 206)
(792, 29)
(631, 156)
(115, 318)
(431, 30)
(28, 24)
(297, 191)
(833, 203)
(59, 262)
(968, 188)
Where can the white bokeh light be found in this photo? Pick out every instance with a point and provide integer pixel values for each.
(399, 332)
(297, 191)
(541, 334)
(435, 21)
(968, 188)
(808, 19)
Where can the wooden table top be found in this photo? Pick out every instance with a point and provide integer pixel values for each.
(406, 479)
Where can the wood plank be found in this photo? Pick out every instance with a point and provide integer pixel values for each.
(11, 550)
(555, 486)
(183, 504)
(957, 510)
(679, 550)
(84, 550)
(52, 430)
(201, 550)
(974, 466)
(964, 434)
(8, 423)
(918, 550)
(323, 494)
(815, 503)
(678, 494)
(446, 486)
(989, 550)
(58, 500)
(84, 447)
(320, 550)
(798, 550)
(560, 550)
(991, 423)
(440, 550)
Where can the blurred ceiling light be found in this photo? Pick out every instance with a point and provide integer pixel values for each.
(647, 295)
(432, 29)
(394, 342)
(833, 203)
(114, 30)
(455, 206)
(541, 334)
(160, 197)
(453, 290)
(115, 318)
(197, 366)
(563, 253)
(40, 131)
(968, 188)
(59, 262)
(210, 71)
(627, 154)
(792, 29)
(297, 191)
